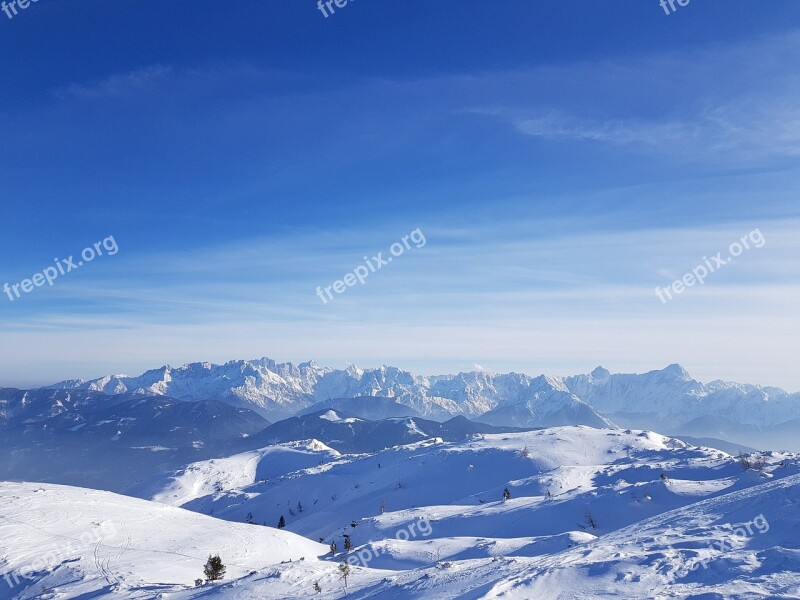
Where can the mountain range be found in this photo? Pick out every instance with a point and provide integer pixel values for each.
(667, 400)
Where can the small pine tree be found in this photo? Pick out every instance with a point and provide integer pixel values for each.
(249, 518)
(347, 543)
(588, 518)
(383, 506)
(281, 522)
(317, 587)
(344, 570)
(506, 495)
(333, 548)
(214, 569)
(299, 507)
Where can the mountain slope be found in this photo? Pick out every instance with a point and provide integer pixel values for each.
(670, 400)
(350, 434)
(97, 543)
(112, 442)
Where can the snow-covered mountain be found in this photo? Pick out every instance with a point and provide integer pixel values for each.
(594, 512)
(86, 438)
(590, 512)
(278, 391)
(462, 483)
(351, 434)
(274, 390)
(363, 407)
(668, 400)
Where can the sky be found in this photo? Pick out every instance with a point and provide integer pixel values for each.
(557, 162)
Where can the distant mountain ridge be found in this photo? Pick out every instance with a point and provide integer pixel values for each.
(351, 434)
(82, 437)
(281, 390)
(667, 400)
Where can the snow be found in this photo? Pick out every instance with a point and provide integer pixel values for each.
(95, 542)
(333, 417)
(593, 513)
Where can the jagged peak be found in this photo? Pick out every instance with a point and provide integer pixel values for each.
(676, 370)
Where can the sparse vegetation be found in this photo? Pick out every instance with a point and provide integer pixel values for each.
(344, 573)
(752, 462)
(589, 519)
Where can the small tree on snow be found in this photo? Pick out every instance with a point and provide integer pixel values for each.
(214, 569)
(333, 548)
(344, 571)
(281, 522)
(506, 495)
(347, 543)
(588, 518)
(317, 587)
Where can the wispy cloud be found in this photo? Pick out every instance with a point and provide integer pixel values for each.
(487, 293)
(749, 128)
(752, 117)
(118, 85)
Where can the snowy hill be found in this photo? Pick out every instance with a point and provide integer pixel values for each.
(592, 512)
(462, 482)
(648, 530)
(101, 544)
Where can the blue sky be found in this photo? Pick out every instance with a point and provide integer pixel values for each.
(562, 159)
